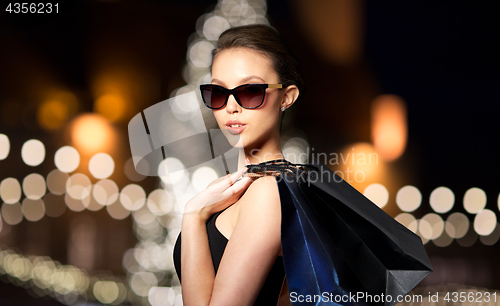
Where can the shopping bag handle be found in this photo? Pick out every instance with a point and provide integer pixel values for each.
(277, 167)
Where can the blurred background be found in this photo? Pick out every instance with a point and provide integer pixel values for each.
(401, 100)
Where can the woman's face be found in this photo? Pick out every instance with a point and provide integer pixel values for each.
(238, 66)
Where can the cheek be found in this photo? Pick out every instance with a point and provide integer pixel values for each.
(270, 108)
(267, 119)
(218, 118)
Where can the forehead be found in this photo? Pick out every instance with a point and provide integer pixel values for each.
(235, 64)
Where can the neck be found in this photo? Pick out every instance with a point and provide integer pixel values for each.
(268, 152)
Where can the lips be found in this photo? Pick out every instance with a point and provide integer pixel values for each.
(235, 126)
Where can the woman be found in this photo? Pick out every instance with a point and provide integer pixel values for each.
(235, 210)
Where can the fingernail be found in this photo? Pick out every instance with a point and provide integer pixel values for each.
(247, 161)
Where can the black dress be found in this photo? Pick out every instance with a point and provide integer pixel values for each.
(268, 295)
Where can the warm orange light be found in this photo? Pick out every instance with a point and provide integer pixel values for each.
(52, 114)
(113, 90)
(69, 100)
(359, 165)
(91, 133)
(112, 107)
(335, 27)
(389, 126)
(56, 109)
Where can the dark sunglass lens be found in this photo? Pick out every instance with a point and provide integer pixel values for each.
(251, 96)
(214, 96)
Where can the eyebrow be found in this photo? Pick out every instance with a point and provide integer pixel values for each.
(242, 80)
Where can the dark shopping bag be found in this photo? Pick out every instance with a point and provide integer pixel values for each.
(338, 247)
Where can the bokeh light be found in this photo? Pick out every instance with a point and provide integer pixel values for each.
(67, 159)
(33, 152)
(78, 186)
(106, 292)
(92, 203)
(12, 213)
(457, 225)
(424, 230)
(54, 205)
(214, 26)
(34, 186)
(202, 177)
(442, 200)
(408, 220)
(10, 190)
(92, 133)
(443, 240)
(334, 28)
(485, 222)
(122, 294)
(144, 218)
(117, 211)
(129, 262)
(4, 146)
(111, 107)
(468, 239)
(377, 193)
(389, 126)
(33, 210)
(101, 165)
(432, 227)
(67, 283)
(492, 238)
(172, 177)
(132, 197)
(160, 296)
(74, 204)
(200, 54)
(360, 164)
(131, 173)
(185, 109)
(408, 198)
(56, 181)
(56, 109)
(142, 282)
(474, 200)
(105, 192)
(159, 202)
(295, 150)
(52, 114)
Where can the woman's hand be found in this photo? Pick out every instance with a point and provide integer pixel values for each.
(220, 194)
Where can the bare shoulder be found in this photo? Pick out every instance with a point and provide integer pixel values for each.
(262, 195)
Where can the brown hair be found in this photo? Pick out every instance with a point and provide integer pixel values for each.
(266, 40)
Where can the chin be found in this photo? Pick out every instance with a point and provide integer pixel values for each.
(234, 140)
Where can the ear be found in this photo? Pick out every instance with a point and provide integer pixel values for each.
(289, 96)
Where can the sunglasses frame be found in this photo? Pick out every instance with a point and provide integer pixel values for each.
(233, 92)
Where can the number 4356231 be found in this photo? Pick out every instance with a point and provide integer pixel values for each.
(32, 8)
(470, 297)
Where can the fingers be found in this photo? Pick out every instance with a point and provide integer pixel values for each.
(228, 176)
(239, 185)
(234, 177)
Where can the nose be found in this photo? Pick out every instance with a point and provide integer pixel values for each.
(232, 106)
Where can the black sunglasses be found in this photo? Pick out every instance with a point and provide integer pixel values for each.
(248, 95)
